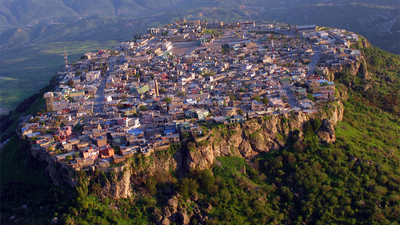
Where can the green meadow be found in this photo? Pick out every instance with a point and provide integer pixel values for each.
(26, 70)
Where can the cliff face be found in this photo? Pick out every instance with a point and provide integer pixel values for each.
(360, 67)
(246, 140)
(59, 173)
(118, 185)
(253, 137)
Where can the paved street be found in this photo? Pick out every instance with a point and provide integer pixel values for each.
(100, 93)
(291, 98)
(314, 61)
(99, 96)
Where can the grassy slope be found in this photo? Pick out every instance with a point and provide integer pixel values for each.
(25, 181)
(32, 67)
(17, 165)
(332, 186)
(353, 181)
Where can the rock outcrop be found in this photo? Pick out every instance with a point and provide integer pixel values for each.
(59, 173)
(254, 137)
(343, 92)
(360, 67)
(364, 71)
(246, 140)
(119, 185)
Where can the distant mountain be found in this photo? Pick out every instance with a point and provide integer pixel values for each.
(377, 20)
(34, 32)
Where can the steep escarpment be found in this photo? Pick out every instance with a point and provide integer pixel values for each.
(246, 140)
(360, 67)
(257, 136)
(118, 185)
(59, 173)
(115, 186)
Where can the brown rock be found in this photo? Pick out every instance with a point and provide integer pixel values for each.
(195, 197)
(364, 71)
(324, 137)
(354, 67)
(184, 218)
(157, 217)
(208, 206)
(118, 188)
(173, 202)
(165, 221)
(167, 213)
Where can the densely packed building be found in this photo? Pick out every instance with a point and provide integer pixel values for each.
(159, 88)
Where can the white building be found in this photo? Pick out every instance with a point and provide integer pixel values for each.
(93, 75)
(166, 46)
(323, 34)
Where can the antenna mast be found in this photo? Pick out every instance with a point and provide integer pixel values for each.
(273, 52)
(66, 59)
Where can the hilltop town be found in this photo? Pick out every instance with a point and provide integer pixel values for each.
(163, 87)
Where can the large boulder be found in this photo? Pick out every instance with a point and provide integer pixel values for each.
(173, 202)
(157, 217)
(184, 218)
(165, 221)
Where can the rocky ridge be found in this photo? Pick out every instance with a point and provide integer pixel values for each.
(246, 140)
(254, 137)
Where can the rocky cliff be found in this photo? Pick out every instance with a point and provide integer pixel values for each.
(118, 185)
(59, 173)
(246, 140)
(360, 67)
(257, 136)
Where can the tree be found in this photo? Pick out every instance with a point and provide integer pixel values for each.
(316, 123)
(181, 94)
(188, 186)
(71, 83)
(151, 185)
(162, 91)
(310, 96)
(265, 101)
(257, 98)
(120, 106)
(167, 100)
(207, 180)
(68, 157)
(185, 135)
(143, 107)
(240, 112)
(308, 129)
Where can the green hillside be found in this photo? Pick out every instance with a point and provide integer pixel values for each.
(352, 181)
